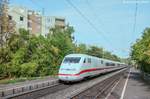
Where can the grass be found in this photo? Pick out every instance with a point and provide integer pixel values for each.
(14, 80)
(21, 79)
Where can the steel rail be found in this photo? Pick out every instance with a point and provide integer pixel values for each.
(106, 88)
(98, 90)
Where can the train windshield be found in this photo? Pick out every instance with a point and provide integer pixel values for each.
(72, 60)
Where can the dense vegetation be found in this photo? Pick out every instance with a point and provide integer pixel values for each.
(141, 51)
(25, 55)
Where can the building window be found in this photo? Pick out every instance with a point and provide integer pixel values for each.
(59, 20)
(21, 18)
(10, 17)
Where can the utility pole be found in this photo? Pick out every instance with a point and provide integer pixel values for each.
(43, 11)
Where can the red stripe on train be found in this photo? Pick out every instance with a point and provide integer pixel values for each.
(84, 71)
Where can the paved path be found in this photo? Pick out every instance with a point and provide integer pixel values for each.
(136, 87)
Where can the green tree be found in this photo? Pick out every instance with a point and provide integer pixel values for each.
(26, 55)
(81, 48)
(61, 45)
(140, 51)
(95, 51)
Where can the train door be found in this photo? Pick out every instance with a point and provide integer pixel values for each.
(86, 66)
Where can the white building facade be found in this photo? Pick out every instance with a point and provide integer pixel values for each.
(34, 21)
(19, 15)
(49, 22)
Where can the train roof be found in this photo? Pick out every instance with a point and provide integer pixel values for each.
(79, 55)
(85, 55)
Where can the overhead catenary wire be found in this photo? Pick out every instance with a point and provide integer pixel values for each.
(85, 18)
(92, 10)
(88, 21)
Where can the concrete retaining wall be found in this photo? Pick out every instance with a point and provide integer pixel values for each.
(25, 88)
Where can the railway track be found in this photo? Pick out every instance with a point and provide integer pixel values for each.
(98, 91)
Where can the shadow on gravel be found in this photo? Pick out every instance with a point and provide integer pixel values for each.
(135, 75)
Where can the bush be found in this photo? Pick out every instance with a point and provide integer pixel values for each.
(28, 69)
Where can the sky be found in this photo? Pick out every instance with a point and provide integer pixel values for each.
(113, 19)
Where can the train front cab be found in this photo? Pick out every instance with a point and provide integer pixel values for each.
(70, 69)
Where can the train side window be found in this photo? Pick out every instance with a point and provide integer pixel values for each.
(101, 62)
(89, 60)
(72, 60)
(113, 64)
(107, 64)
(84, 61)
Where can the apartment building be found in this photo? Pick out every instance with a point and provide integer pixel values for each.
(33, 20)
(46, 24)
(49, 22)
(59, 22)
(19, 15)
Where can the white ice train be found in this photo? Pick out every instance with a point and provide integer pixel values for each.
(75, 67)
